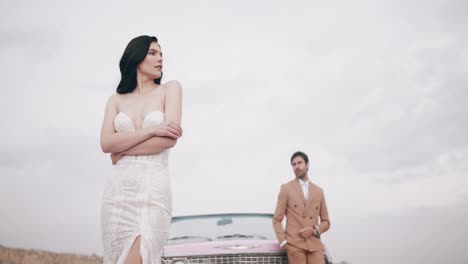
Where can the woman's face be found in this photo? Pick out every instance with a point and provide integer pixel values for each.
(151, 66)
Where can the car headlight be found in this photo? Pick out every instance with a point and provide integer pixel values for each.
(180, 261)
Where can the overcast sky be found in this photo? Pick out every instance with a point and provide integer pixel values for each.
(375, 92)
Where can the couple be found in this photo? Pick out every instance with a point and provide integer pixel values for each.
(141, 123)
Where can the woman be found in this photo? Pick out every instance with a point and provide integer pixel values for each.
(141, 124)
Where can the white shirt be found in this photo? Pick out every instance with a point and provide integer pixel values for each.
(305, 188)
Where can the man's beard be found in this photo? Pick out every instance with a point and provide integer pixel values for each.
(300, 174)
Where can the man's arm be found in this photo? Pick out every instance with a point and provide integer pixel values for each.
(279, 215)
(324, 219)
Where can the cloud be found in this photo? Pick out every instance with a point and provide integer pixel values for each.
(411, 233)
(31, 44)
(374, 92)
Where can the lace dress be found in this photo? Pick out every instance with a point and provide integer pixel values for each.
(137, 201)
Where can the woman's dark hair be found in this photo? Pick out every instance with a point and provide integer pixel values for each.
(300, 154)
(134, 53)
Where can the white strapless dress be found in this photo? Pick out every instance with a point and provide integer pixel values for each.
(137, 201)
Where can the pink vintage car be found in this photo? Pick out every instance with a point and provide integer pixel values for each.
(224, 238)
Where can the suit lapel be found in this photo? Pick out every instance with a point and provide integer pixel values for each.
(298, 190)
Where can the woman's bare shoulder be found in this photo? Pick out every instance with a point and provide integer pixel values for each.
(172, 85)
(118, 97)
(115, 100)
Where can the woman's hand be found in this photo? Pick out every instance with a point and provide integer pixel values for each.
(168, 129)
(115, 157)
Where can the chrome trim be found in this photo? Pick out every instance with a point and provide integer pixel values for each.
(233, 259)
(176, 261)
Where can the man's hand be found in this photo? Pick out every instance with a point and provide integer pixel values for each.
(115, 157)
(316, 231)
(307, 232)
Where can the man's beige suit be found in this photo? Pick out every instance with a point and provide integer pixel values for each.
(299, 214)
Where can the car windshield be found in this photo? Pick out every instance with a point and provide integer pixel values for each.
(189, 229)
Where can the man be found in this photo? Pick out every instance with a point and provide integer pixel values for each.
(303, 204)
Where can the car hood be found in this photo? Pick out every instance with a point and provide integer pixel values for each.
(222, 248)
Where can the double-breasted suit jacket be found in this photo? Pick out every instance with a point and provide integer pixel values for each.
(299, 214)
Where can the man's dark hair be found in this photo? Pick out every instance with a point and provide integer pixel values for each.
(301, 154)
